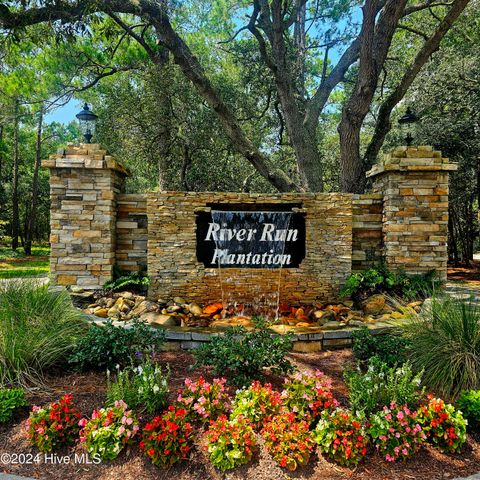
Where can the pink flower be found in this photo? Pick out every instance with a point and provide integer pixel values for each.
(129, 421)
(82, 422)
(388, 416)
(405, 451)
(400, 415)
(121, 429)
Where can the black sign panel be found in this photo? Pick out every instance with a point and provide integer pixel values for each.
(250, 239)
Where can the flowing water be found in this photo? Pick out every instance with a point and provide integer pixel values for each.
(251, 240)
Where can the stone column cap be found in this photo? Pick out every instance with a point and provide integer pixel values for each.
(84, 155)
(421, 158)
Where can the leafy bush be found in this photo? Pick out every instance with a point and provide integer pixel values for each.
(342, 436)
(10, 400)
(230, 443)
(167, 439)
(380, 385)
(137, 281)
(308, 394)
(396, 432)
(257, 404)
(288, 440)
(38, 330)
(243, 355)
(379, 279)
(469, 404)
(444, 426)
(104, 347)
(445, 343)
(145, 385)
(55, 426)
(108, 431)
(389, 348)
(203, 399)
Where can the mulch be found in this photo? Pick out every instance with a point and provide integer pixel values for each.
(89, 392)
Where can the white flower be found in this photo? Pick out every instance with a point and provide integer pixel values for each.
(156, 388)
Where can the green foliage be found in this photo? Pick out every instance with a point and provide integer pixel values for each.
(342, 436)
(380, 385)
(134, 281)
(243, 356)
(389, 348)
(445, 343)
(469, 404)
(38, 330)
(145, 385)
(105, 347)
(109, 431)
(379, 279)
(444, 426)
(230, 443)
(10, 400)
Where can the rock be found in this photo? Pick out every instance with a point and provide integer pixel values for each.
(173, 309)
(127, 295)
(355, 323)
(415, 304)
(162, 301)
(232, 322)
(144, 307)
(304, 325)
(195, 309)
(374, 304)
(75, 289)
(139, 299)
(110, 303)
(324, 316)
(348, 303)
(332, 325)
(213, 308)
(368, 319)
(113, 312)
(300, 313)
(92, 305)
(397, 315)
(159, 319)
(387, 309)
(179, 301)
(101, 312)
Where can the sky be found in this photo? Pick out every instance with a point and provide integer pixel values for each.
(66, 113)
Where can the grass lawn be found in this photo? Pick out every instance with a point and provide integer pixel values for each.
(14, 264)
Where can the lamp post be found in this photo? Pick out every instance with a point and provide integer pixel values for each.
(87, 121)
(408, 119)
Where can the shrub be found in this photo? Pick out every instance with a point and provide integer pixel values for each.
(380, 385)
(244, 356)
(390, 349)
(230, 443)
(342, 436)
(203, 399)
(469, 404)
(144, 386)
(10, 400)
(396, 432)
(167, 438)
(38, 330)
(288, 440)
(445, 343)
(379, 279)
(106, 346)
(257, 404)
(307, 394)
(108, 431)
(137, 281)
(444, 426)
(55, 426)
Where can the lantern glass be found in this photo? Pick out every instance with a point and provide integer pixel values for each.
(87, 120)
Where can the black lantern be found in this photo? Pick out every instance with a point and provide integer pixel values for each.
(408, 119)
(87, 121)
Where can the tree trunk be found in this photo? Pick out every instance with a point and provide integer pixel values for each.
(1, 155)
(30, 227)
(15, 208)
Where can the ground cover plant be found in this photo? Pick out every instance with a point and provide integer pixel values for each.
(38, 328)
(54, 426)
(136, 281)
(107, 432)
(246, 355)
(106, 346)
(445, 344)
(10, 400)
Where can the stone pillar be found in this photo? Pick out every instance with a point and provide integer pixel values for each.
(84, 184)
(414, 184)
